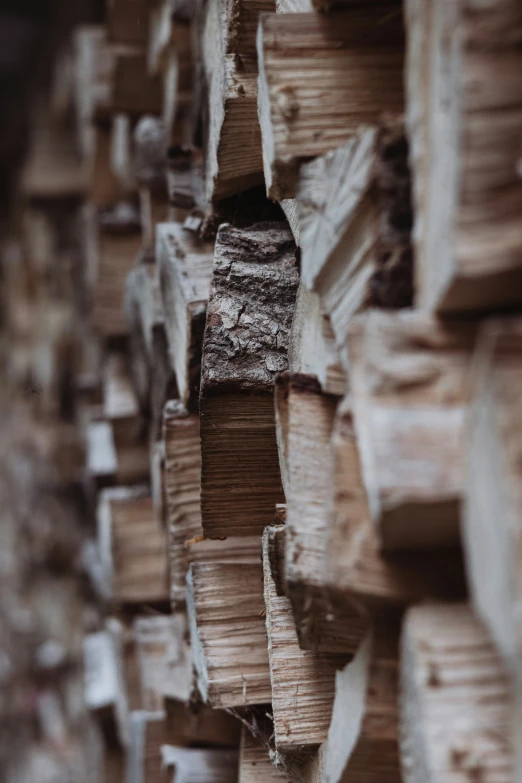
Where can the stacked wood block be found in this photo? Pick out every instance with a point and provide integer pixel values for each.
(304, 446)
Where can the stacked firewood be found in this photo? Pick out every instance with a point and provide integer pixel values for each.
(301, 223)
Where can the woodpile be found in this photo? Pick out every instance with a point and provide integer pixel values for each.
(297, 386)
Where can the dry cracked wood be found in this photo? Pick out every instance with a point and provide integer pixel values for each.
(355, 566)
(303, 681)
(355, 219)
(228, 635)
(464, 114)
(245, 344)
(185, 270)
(362, 739)
(455, 700)
(320, 77)
(132, 547)
(408, 376)
(492, 520)
(323, 622)
(233, 145)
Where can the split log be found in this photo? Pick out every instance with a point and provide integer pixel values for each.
(456, 700)
(323, 622)
(492, 507)
(183, 490)
(355, 219)
(200, 765)
(355, 567)
(164, 659)
(320, 78)
(363, 737)
(233, 146)
(465, 144)
(303, 681)
(312, 349)
(227, 633)
(408, 379)
(255, 764)
(244, 550)
(185, 270)
(132, 547)
(245, 344)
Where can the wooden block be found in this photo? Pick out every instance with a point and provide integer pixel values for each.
(185, 270)
(255, 764)
(127, 21)
(227, 633)
(455, 701)
(132, 547)
(134, 91)
(246, 338)
(105, 694)
(183, 490)
(303, 681)
(492, 508)
(233, 146)
(312, 349)
(102, 461)
(164, 659)
(148, 734)
(408, 379)
(465, 143)
(322, 622)
(320, 78)
(119, 400)
(200, 765)
(200, 724)
(363, 737)
(245, 550)
(355, 567)
(355, 219)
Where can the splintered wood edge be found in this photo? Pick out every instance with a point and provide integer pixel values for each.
(198, 655)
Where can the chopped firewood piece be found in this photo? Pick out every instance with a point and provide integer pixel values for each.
(456, 699)
(408, 381)
(312, 349)
(355, 218)
(255, 764)
(323, 622)
(465, 148)
(233, 550)
(164, 659)
(200, 765)
(245, 345)
(132, 546)
(303, 681)
(355, 567)
(228, 635)
(320, 78)
(492, 516)
(185, 270)
(233, 147)
(363, 736)
(183, 490)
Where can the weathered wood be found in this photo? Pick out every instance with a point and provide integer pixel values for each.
(131, 546)
(233, 145)
(102, 461)
(303, 682)
(492, 506)
(255, 764)
(164, 659)
(465, 144)
(408, 381)
(245, 344)
(195, 765)
(363, 737)
(93, 61)
(455, 700)
(320, 78)
(355, 219)
(355, 567)
(312, 349)
(185, 270)
(105, 694)
(148, 734)
(227, 633)
(183, 490)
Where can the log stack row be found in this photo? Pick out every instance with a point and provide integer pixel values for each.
(305, 267)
